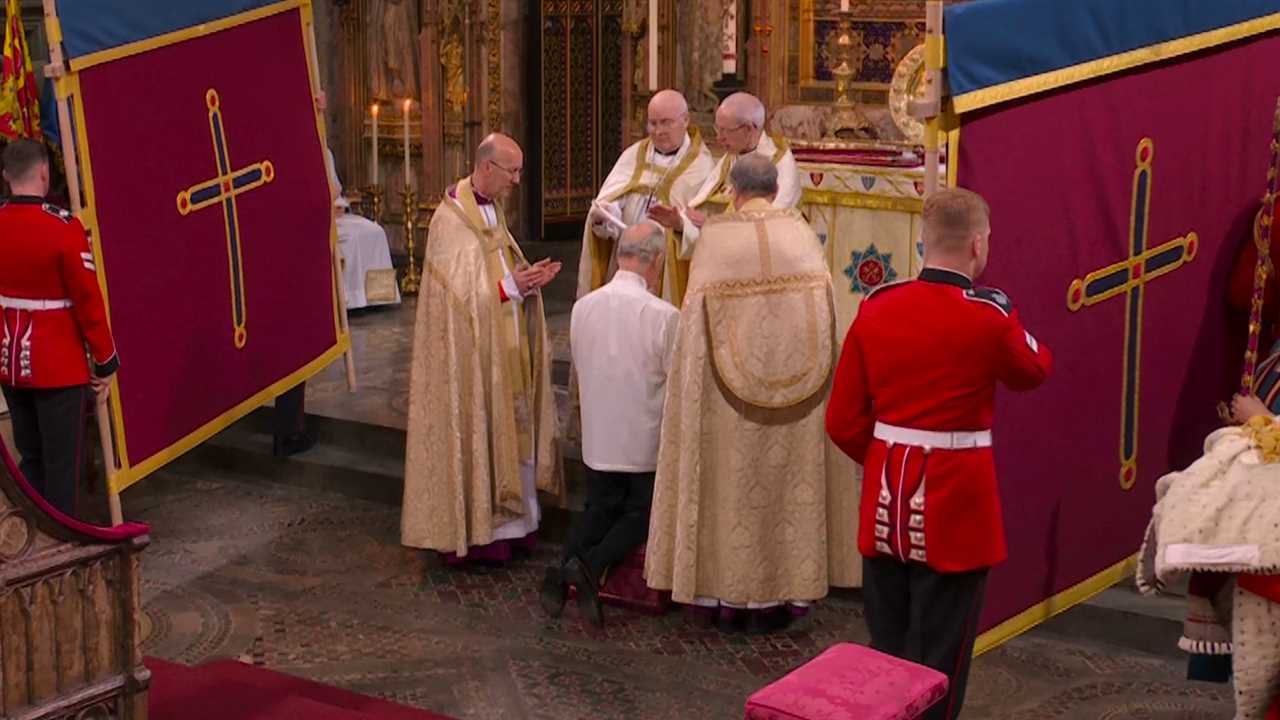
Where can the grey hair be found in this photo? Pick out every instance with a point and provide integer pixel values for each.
(644, 241)
(746, 108)
(754, 176)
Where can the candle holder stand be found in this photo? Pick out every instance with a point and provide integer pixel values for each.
(373, 203)
(847, 116)
(412, 278)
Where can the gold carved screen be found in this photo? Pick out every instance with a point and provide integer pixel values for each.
(883, 32)
(582, 104)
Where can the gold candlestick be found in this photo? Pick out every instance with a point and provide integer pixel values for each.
(409, 283)
(847, 117)
(373, 207)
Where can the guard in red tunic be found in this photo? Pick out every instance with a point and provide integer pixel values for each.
(52, 312)
(913, 400)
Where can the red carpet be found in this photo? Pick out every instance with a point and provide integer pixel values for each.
(230, 690)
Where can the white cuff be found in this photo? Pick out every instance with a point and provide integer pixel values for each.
(603, 229)
(511, 289)
(689, 234)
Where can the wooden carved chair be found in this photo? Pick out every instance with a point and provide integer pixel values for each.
(69, 611)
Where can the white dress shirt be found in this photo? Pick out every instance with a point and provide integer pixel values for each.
(621, 337)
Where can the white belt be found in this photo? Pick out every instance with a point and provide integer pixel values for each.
(932, 439)
(29, 305)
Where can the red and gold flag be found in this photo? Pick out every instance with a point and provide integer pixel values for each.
(19, 94)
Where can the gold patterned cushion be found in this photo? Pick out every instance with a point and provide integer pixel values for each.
(380, 286)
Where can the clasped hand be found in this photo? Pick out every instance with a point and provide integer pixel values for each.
(669, 217)
(536, 276)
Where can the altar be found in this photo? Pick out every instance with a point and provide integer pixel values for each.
(865, 203)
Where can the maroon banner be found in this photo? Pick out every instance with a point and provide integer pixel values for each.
(212, 210)
(1117, 208)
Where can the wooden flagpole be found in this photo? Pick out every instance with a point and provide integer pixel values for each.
(1263, 232)
(57, 71)
(335, 260)
(929, 108)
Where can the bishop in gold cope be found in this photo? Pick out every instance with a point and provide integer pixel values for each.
(666, 168)
(482, 436)
(740, 121)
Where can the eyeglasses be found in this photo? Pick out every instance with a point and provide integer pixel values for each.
(514, 172)
(726, 131)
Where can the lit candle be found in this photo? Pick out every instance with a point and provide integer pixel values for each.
(653, 45)
(374, 179)
(844, 5)
(406, 142)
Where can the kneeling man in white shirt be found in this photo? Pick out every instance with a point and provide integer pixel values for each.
(621, 336)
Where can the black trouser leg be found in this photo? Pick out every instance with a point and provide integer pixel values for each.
(26, 435)
(606, 494)
(290, 413)
(48, 428)
(944, 624)
(630, 528)
(886, 592)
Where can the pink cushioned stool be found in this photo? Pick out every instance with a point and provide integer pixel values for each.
(850, 682)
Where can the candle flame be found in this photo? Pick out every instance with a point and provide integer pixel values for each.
(375, 109)
(406, 104)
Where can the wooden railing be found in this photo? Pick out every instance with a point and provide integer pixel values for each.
(69, 612)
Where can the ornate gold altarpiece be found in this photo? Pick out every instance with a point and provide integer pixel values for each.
(820, 72)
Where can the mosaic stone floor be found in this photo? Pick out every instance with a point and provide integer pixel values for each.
(317, 585)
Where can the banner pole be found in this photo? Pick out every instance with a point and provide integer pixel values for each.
(57, 71)
(933, 90)
(339, 284)
(1263, 231)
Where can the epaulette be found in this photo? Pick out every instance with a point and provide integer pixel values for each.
(885, 286)
(62, 214)
(991, 296)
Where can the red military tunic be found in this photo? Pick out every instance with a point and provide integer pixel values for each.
(913, 401)
(50, 301)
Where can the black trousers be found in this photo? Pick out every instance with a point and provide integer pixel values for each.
(615, 521)
(48, 430)
(926, 617)
(290, 413)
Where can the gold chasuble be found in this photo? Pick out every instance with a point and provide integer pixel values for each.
(642, 178)
(480, 399)
(752, 503)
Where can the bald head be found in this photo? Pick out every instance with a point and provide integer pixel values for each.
(495, 144)
(499, 162)
(753, 176)
(668, 120)
(740, 122)
(670, 101)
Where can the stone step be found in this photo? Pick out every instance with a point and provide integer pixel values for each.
(1123, 617)
(350, 458)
